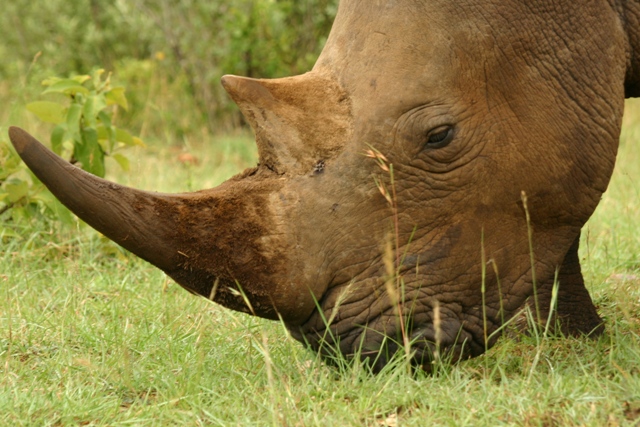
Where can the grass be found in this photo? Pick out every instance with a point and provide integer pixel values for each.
(90, 335)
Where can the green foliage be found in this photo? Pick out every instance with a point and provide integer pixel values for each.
(180, 47)
(84, 132)
(85, 127)
(202, 40)
(22, 195)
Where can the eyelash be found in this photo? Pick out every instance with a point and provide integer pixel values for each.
(439, 137)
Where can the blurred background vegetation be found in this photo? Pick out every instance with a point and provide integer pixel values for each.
(169, 54)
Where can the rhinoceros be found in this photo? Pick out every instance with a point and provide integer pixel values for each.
(423, 185)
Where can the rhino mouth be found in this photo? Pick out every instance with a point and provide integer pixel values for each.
(381, 338)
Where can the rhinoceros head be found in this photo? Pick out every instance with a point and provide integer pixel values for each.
(422, 185)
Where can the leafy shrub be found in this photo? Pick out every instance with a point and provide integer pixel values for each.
(198, 41)
(84, 133)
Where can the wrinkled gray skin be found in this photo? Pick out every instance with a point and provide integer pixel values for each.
(529, 96)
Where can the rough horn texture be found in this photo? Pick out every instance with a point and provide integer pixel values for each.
(501, 120)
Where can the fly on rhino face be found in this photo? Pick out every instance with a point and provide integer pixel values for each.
(474, 103)
(319, 167)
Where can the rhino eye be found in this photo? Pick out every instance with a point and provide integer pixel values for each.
(439, 137)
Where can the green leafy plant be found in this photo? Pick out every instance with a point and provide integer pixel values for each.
(85, 127)
(84, 133)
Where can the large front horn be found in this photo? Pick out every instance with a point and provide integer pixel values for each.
(210, 242)
(123, 214)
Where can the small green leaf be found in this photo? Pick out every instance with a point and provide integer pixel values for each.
(116, 96)
(50, 112)
(57, 208)
(95, 77)
(89, 152)
(88, 112)
(127, 139)
(68, 87)
(16, 189)
(122, 161)
(102, 132)
(124, 137)
(57, 136)
(106, 130)
(104, 144)
(73, 119)
(105, 119)
(92, 106)
(9, 161)
(50, 81)
(81, 79)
